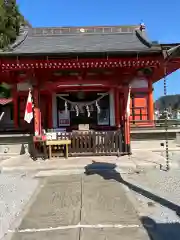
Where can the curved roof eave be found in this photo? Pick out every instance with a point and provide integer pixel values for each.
(155, 50)
(142, 38)
(144, 46)
(172, 52)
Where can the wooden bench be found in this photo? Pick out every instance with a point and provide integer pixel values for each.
(65, 143)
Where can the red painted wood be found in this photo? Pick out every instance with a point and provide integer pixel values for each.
(37, 114)
(15, 105)
(150, 102)
(126, 118)
(117, 107)
(46, 110)
(90, 89)
(44, 107)
(148, 59)
(20, 64)
(50, 120)
(77, 88)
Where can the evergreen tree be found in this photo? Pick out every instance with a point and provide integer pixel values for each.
(4, 92)
(3, 36)
(10, 22)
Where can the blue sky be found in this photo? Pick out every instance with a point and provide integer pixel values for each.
(160, 17)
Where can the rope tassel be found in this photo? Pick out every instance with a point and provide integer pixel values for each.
(88, 112)
(98, 108)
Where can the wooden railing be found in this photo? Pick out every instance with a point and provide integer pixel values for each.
(99, 143)
(161, 123)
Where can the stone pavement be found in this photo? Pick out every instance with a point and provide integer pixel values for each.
(139, 158)
(155, 195)
(88, 206)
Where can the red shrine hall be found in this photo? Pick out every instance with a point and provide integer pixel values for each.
(81, 77)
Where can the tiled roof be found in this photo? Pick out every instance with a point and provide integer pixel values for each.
(78, 40)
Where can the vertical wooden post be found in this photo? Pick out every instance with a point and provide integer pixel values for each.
(150, 102)
(50, 122)
(117, 107)
(37, 114)
(127, 139)
(15, 105)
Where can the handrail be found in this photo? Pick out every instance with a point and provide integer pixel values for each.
(156, 123)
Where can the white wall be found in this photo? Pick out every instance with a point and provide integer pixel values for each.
(139, 83)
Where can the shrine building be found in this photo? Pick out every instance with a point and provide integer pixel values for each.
(81, 77)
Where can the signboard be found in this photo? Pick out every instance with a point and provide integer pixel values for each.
(64, 118)
(83, 127)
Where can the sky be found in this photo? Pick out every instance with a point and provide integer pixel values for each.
(161, 19)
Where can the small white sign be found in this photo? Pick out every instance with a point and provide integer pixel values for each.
(83, 127)
(51, 136)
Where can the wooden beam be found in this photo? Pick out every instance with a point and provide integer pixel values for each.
(78, 64)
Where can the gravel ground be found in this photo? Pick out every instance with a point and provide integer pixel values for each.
(15, 191)
(157, 201)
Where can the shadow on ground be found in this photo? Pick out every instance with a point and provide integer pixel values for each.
(167, 231)
(161, 231)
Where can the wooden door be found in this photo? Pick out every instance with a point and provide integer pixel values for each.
(139, 108)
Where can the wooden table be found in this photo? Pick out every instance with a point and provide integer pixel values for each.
(65, 143)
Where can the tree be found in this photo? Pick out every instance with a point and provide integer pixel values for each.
(4, 91)
(3, 36)
(10, 22)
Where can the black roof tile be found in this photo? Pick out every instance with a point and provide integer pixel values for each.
(78, 40)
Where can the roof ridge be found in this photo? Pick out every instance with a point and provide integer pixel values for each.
(78, 30)
(80, 34)
(20, 39)
(95, 26)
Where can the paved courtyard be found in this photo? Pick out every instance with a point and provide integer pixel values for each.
(82, 207)
(114, 199)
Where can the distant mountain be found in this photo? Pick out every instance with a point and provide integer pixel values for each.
(169, 101)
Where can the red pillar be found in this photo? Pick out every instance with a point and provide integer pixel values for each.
(37, 113)
(150, 102)
(127, 139)
(15, 105)
(117, 107)
(50, 124)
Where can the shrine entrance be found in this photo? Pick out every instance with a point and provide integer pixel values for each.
(87, 118)
(83, 108)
